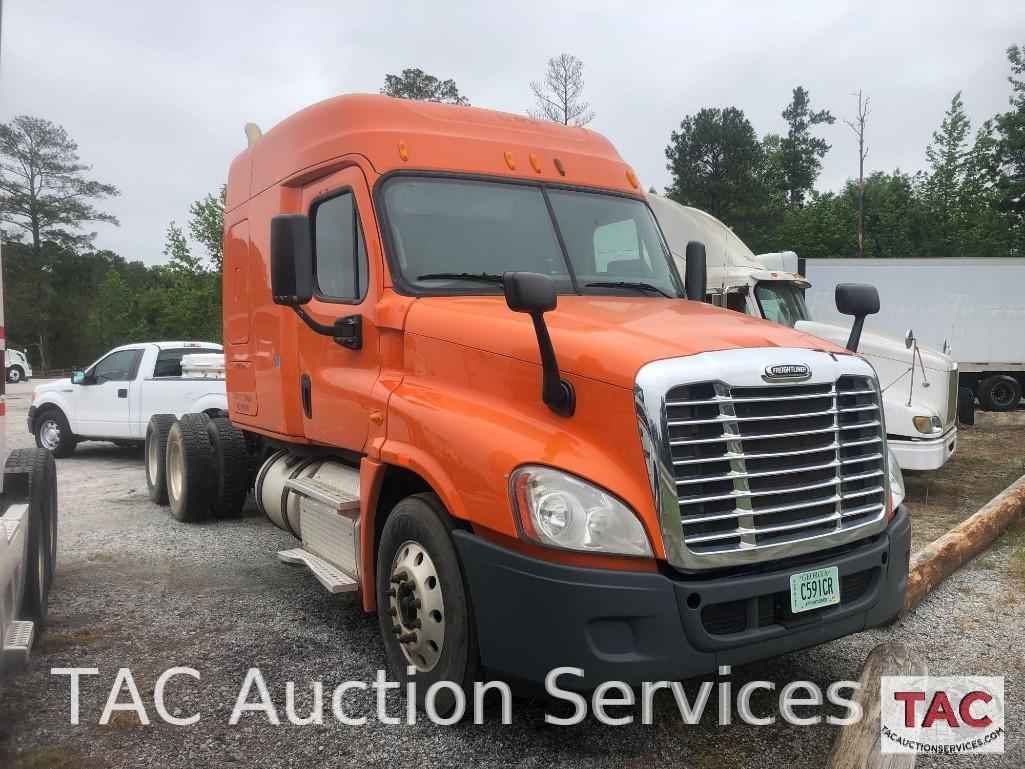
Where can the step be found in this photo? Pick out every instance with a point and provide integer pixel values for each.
(17, 643)
(319, 491)
(330, 577)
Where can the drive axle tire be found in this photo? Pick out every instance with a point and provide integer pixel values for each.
(32, 473)
(53, 433)
(232, 480)
(156, 456)
(423, 603)
(189, 469)
(1000, 393)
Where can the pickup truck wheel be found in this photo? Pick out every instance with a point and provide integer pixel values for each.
(423, 603)
(156, 456)
(15, 374)
(189, 470)
(38, 466)
(53, 433)
(231, 462)
(1000, 393)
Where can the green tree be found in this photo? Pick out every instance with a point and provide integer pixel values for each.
(417, 84)
(1008, 151)
(717, 165)
(206, 225)
(45, 194)
(802, 153)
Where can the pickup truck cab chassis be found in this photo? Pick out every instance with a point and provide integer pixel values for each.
(114, 398)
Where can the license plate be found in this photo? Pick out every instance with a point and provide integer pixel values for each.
(814, 589)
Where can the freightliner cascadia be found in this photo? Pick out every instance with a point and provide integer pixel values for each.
(463, 370)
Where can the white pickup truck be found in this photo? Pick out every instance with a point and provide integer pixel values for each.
(114, 398)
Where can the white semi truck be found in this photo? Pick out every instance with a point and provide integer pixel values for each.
(920, 384)
(974, 308)
(28, 542)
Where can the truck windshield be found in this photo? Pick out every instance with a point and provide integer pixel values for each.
(781, 302)
(457, 236)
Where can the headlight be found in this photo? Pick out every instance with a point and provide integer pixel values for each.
(896, 478)
(928, 425)
(561, 510)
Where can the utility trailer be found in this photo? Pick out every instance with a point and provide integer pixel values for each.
(464, 372)
(973, 309)
(28, 542)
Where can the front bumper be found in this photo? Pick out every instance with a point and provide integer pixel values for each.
(535, 615)
(924, 454)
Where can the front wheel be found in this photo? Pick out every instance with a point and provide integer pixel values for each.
(15, 374)
(423, 603)
(53, 433)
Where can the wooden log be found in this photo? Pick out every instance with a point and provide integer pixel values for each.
(941, 558)
(858, 746)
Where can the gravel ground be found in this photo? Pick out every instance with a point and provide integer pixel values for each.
(137, 589)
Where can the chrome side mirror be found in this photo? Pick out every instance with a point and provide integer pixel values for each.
(909, 338)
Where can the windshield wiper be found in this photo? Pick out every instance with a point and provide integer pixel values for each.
(636, 285)
(480, 277)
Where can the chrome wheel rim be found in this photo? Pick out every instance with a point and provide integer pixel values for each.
(416, 606)
(15, 375)
(152, 459)
(50, 434)
(174, 472)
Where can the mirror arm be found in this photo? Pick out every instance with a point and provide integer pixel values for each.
(557, 393)
(347, 331)
(855, 338)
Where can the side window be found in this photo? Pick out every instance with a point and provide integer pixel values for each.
(340, 253)
(116, 367)
(169, 362)
(618, 251)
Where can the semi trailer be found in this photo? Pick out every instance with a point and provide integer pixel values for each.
(919, 384)
(28, 542)
(972, 308)
(464, 372)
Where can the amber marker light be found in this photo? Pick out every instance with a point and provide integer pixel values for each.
(559, 167)
(631, 177)
(403, 150)
(535, 162)
(510, 160)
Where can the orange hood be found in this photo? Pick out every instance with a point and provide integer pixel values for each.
(601, 337)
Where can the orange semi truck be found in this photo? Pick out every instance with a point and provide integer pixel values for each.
(464, 372)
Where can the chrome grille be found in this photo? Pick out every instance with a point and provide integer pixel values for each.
(761, 466)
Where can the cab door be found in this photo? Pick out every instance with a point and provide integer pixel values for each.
(336, 379)
(102, 401)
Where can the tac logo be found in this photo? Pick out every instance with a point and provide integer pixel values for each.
(791, 372)
(941, 714)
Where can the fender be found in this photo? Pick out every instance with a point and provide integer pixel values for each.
(210, 402)
(899, 416)
(57, 395)
(464, 419)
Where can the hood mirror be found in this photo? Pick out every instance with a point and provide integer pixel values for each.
(534, 294)
(859, 300)
(909, 338)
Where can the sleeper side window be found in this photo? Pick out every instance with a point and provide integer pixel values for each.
(339, 251)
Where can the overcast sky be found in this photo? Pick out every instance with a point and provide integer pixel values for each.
(156, 94)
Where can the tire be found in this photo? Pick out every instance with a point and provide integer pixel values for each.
(15, 374)
(53, 433)
(232, 479)
(189, 469)
(156, 456)
(1000, 393)
(39, 488)
(420, 525)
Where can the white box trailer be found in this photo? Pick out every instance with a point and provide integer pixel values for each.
(974, 306)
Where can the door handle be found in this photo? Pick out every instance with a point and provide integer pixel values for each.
(122, 392)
